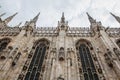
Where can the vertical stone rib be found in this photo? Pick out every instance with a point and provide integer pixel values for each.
(53, 69)
(69, 71)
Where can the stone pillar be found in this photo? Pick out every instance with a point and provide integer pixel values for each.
(117, 68)
(68, 66)
(6, 70)
(53, 69)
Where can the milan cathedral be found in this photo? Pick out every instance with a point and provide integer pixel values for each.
(63, 52)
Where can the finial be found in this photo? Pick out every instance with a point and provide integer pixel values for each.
(7, 20)
(90, 18)
(116, 17)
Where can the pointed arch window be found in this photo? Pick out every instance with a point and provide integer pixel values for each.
(87, 64)
(3, 43)
(35, 68)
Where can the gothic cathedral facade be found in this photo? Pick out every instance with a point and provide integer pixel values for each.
(59, 53)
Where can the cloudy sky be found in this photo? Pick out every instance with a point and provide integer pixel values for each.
(51, 10)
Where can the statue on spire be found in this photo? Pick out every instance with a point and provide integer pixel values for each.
(116, 17)
(90, 18)
(7, 20)
(63, 18)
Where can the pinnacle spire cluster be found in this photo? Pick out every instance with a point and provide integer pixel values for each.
(35, 19)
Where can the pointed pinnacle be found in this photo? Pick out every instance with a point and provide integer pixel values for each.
(2, 14)
(7, 20)
(90, 18)
(116, 17)
(88, 15)
(113, 15)
(36, 17)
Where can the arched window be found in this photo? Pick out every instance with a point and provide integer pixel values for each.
(3, 43)
(36, 66)
(87, 64)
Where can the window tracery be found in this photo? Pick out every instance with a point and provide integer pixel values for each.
(36, 67)
(3, 47)
(88, 67)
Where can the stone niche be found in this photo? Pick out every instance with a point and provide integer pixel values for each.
(61, 55)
